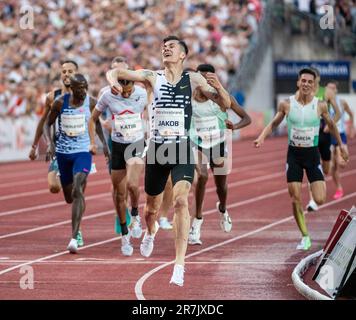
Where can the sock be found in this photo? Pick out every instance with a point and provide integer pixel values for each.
(222, 211)
(134, 212)
(124, 230)
(199, 218)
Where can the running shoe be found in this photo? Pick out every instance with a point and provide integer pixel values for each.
(194, 233)
(73, 246)
(136, 227)
(147, 244)
(93, 168)
(338, 194)
(312, 206)
(80, 239)
(225, 220)
(164, 223)
(304, 244)
(126, 247)
(178, 275)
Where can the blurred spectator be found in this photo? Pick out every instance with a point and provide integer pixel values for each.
(93, 32)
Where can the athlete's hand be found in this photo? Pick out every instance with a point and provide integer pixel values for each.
(93, 149)
(352, 132)
(33, 153)
(258, 142)
(344, 154)
(229, 124)
(107, 155)
(213, 80)
(106, 124)
(326, 129)
(50, 152)
(116, 89)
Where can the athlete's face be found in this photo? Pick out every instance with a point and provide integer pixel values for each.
(332, 87)
(306, 83)
(68, 69)
(79, 89)
(172, 52)
(127, 90)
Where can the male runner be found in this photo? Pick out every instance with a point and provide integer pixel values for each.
(73, 148)
(323, 94)
(337, 162)
(69, 67)
(128, 144)
(207, 132)
(169, 149)
(303, 112)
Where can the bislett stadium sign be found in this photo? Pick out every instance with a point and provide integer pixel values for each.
(329, 69)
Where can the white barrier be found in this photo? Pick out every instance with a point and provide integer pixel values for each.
(297, 278)
(16, 136)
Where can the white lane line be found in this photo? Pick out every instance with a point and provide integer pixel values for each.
(212, 189)
(141, 281)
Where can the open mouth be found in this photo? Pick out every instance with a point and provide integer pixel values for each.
(167, 54)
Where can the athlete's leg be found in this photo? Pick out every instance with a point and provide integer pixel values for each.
(202, 179)
(319, 191)
(78, 205)
(119, 191)
(134, 169)
(166, 205)
(294, 189)
(54, 183)
(181, 219)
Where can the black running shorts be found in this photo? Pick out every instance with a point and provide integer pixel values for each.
(299, 159)
(163, 160)
(324, 145)
(122, 152)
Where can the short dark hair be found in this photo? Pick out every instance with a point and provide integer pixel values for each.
(72, 62)
(317, 72)
(78, 78)
(181, 42)
(307, 71)
(125, 82)
(206, 67)
(336, 83)
(188, 69)
(118, 59)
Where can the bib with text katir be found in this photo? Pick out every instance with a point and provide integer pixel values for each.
(128, 125)
(73, 124)
(169, 121)
(302, 137)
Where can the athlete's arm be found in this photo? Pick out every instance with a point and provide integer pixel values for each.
(330, 97)
(52, 116)
(211, 88)
(323, 108)
(245, 118)
(148, 77)
(40, 126)
(348, 110)
(283, 108)
(94, 125)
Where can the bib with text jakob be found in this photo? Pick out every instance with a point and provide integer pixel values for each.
(303, 137)
(73, 124)
(129, 126)
(169, 121)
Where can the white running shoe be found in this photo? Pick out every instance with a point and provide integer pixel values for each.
(73, 246)
(312, 206)
(178, 275)
(194, 233)
(225, 220)
(146, 247)
(304, 244)
(126, 246)
(136, 227)
(164, 223)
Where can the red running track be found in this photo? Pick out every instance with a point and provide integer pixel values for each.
(254, 261)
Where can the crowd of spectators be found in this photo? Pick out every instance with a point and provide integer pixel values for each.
(92, 32)
(344, 10)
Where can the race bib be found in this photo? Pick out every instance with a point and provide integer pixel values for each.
(169, 121)
(207, 129)
(129, 126)
(302, 137)
(73, 125)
